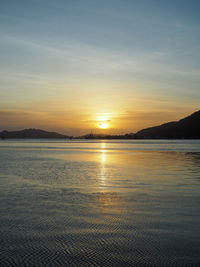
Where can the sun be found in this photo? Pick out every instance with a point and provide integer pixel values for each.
(103, 121)
(103, 125)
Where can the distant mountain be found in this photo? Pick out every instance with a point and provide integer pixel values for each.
(187, 128)
(31, 134)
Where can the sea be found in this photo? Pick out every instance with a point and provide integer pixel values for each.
(100, 203)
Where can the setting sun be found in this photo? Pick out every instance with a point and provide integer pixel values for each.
(103, 125)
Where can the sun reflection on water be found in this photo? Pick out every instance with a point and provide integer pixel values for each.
(103, 160)
(108, 199)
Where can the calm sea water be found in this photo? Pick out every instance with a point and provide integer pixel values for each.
(100, 203)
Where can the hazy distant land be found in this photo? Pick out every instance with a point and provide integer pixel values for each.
(31, 134)
(186, 128)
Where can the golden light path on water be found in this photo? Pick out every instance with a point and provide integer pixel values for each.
(108, 200)
(103, 163)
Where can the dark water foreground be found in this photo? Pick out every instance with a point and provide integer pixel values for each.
(100, 204)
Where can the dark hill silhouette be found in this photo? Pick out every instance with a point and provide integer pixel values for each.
(186, 128)
(31, 134)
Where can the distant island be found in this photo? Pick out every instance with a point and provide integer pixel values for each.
(32, 134)
(186, 128)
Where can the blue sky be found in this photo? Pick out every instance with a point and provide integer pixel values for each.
(138, 62)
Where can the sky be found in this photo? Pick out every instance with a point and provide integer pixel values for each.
(72, 66)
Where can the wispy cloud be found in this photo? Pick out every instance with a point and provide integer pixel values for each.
(77, 60)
